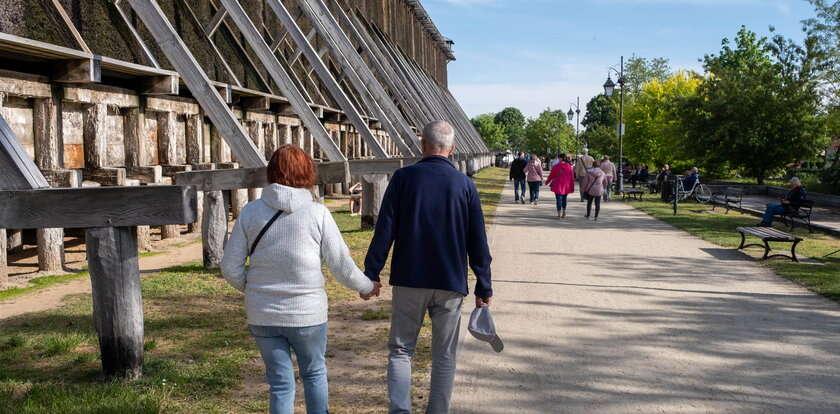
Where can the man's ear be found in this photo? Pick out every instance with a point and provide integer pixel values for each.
(452, 149)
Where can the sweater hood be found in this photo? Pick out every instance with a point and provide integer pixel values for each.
(288, 199)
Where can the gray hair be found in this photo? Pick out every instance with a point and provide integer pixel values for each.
(439, 135)
(795, 181)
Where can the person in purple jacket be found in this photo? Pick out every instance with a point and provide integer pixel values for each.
(431, 213)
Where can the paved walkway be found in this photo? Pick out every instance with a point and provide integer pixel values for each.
(629, 315)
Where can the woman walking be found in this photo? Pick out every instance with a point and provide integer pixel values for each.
(287, 235)
(562, 182)
(594, 183)
(534, 176)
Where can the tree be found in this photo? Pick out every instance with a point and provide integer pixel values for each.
(602, 140)
(513, 123)
(653, 135)
(758, 108)
(492, 133)
(638, 71)
(549, 133)
(601, 110)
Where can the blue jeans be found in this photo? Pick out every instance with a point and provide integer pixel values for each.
(561, 201)
(772, 209)
(517, 186)
(310, 345)
(534, 187)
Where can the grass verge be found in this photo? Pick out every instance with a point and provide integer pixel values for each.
(38, 283)
(822, 277)
(490, 182)
(199, 357)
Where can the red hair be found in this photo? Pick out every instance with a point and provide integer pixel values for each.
(292, 167)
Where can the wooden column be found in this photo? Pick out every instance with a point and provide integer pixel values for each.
(167, 144)
(45, 130)
(287, 134)
(238, 199)
(133, 128)
(4, 268)
(255, 132)
(117, 302)
(272, 141)
(193, 131)
(95, 125)
(373, 190)
(219, 150)
(213, 229)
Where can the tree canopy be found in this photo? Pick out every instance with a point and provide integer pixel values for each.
(492, 133)
(512, 122)
(638, 71)
(549, 133)
(601, 110)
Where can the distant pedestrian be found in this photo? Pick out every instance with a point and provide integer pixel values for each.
(609, 170)
(431, 214)
(284, 237)
(562, 182)
(534, 175)
(517, 174)
(554, 161)
(583, 163)
(593, 186)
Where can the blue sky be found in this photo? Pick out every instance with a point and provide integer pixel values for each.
(534, 54)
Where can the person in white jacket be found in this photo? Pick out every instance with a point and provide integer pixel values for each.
(283, 283)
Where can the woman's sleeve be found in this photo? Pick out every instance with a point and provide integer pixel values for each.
(233, 261)
(338, 259)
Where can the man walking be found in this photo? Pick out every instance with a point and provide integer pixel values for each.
(583, 163)
(517, 174)
(432, 214)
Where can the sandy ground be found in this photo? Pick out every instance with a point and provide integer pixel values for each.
(170, 255)
(630, 315)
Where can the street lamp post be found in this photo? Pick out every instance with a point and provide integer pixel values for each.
(609, 89)
(571, 114)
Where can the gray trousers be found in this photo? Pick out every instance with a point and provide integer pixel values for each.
(409, 309)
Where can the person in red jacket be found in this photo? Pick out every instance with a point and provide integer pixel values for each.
(562, 182)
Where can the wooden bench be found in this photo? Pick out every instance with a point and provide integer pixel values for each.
(730, 198)
(632, 193)
(803, 214)
(767, 235)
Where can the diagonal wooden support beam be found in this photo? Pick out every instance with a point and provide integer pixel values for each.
(344, 102)
(361, 77)
(17, 170)
(283, 80)
(215, 22)
(150, 57)
(197, 81)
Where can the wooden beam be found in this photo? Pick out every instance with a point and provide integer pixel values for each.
(198, 82)
(150, 57)
(255, 103)
(160, 85)
(281, 77)
(18, 170)
(70, 26)
(78, 70)
(326, 77)
(101, 94)
(367, 167)
(215, 22)
(97, 207)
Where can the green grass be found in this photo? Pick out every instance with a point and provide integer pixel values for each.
(719, 228)
(39, 283)
(197, 348)
(490, 182)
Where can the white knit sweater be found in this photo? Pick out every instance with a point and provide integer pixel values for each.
(284, 285)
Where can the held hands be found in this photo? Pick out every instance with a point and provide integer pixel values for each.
(375, 292)
(482, 302)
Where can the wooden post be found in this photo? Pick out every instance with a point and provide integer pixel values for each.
(213, 229)
(4, 268)
(238, 199)
(193, 132)
(271, 140)
(167, 144)
(95, 125)
(50, 240)
(117, 302)
(255, 131)
(133, 127)
(373, 190)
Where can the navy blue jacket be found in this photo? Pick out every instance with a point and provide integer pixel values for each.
(431, 213)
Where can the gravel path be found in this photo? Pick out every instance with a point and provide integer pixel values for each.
(630, 315)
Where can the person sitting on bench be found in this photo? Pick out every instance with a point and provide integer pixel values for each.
(694, 176)
(792, 201)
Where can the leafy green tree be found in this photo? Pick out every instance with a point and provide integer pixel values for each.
(602, 139)
(492, 133)
(638, 71)
(549, 133)
(758, 108)
(512, 122)
(601, 110)
(653, 135)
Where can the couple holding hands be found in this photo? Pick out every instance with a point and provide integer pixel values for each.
(430, 214)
